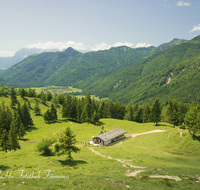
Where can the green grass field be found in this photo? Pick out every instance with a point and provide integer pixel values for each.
(166, 153)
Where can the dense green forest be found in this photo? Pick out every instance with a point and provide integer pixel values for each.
(119, 74)
(70, 66)
(169, 74)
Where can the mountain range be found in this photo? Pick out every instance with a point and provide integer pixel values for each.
(121, 74)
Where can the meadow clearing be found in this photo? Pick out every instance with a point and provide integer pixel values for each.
(170, 153)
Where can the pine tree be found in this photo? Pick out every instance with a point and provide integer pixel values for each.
(47, 116)
(22, 131)
(192, 120)
(13, 97)
(53, 113)
(174, 115)
(87, 109)
(129, 114)
(13, 143)
(146, 113)
(4, 140)
(66, 144)
(66, 107)
(95, 117)
(25, 116)
(49, 96)
(138, 116)
(156, 111)
(37, 109)
(43, 97)
(182, 111)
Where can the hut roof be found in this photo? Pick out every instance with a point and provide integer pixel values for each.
(110, 134)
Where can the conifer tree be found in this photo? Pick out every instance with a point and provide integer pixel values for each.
(25, 116)
(66, 107)
(87, 109)
(79, 111)
(13, 143)
(146, 113)
(174, 115)
(156, 111)
(37, 109)
(22, 131)
(66, 144)
(13, 97)
(192, 120)
(53, 113)
(47, 116)
(130, 113)
(49, 96)
(95, 117)
(43, 97)
(4, 140)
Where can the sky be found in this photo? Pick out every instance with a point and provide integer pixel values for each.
(92, 25)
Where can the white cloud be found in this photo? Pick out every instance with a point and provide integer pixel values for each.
(182, 3)
(58, 45)
(104, 46)
(143, 45)
(7, 53)
(195, 28)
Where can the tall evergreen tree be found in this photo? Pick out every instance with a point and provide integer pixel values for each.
(192, 120)
(13, 97)
(87, 109)
(25, 116)
(174, 116)
(66, 107)
(146, 113)
(156, 111)
(66, 144)
(53, 113)
(37, 109)
(130, 113)
(13, 143)
(47, 116)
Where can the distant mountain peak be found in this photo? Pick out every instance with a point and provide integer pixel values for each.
(173, 42)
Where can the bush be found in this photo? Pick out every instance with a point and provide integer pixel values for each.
(44, 145)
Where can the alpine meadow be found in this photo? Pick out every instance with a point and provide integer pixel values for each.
(54, 103)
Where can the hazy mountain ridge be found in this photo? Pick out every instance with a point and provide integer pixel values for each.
(172, 43)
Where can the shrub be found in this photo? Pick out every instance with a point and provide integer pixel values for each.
(44, 145)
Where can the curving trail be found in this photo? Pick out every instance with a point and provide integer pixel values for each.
(125, 162)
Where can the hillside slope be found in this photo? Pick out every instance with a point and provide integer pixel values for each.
(148, 79)
(70, 66)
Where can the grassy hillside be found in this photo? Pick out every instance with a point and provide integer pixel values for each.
(166, 153)
(172, 73)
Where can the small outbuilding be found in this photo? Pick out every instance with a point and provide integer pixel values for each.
(109, 137)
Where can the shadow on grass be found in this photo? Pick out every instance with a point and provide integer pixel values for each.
(3, 168)
(23, 139)
(100, 123)
(194, 137)
(72, 163)
(39, 114)
(29, 129)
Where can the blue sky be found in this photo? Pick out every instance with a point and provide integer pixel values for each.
(95, 24)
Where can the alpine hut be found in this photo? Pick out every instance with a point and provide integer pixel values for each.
(109, 137)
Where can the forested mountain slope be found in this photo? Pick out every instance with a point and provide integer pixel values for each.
(70, 66)
(173, 73)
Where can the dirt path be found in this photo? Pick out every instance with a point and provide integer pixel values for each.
(176, 178)
(148, 132)
(126, 164)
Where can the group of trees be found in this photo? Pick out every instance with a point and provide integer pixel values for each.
(13, 125)
(145, 113)
(50, 115)
(89, 110)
